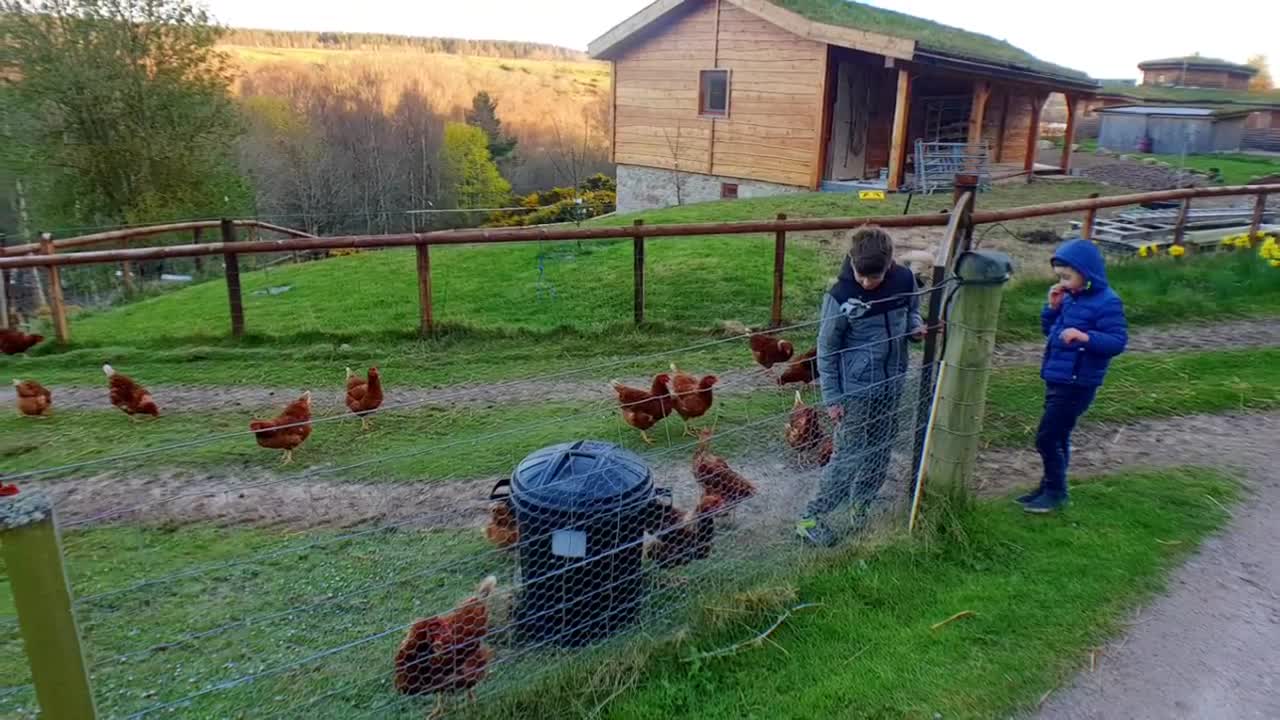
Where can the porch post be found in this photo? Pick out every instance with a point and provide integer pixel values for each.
(898, 148)
(1033, 134)
(1070, 137)
(978, 111)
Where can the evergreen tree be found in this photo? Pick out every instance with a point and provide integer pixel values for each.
(484, 115)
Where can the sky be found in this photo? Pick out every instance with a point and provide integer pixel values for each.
(1105, 38)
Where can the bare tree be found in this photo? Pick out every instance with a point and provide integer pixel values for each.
(678, 178)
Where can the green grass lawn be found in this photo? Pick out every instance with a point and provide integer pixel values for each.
(148, 644)
(498, 317)
(315, 618)
(1162, 291)
(432, 443)
(1235, 168)
(420, 444)
(1043, 591)
(1142, 386)
(1156, 292)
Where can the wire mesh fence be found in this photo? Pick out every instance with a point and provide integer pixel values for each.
(207, 586)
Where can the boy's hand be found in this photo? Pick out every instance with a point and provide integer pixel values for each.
(1056, 293)
(836, 413)
(1072, 335)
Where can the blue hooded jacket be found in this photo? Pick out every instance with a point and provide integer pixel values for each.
(1096, 311)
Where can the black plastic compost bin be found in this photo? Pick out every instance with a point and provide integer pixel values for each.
(582, 509)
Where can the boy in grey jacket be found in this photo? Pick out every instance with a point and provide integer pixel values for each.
(868, 317)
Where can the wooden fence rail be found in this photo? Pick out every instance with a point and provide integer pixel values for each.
(128, 234)
(638, 232)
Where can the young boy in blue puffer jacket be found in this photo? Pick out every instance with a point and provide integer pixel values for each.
(1085, 326)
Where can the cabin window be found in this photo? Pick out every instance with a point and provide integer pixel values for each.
(728, 191)
(713, 93)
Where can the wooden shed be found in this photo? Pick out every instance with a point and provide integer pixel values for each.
(733, 98)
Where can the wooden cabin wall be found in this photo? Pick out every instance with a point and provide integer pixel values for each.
(775, 98)
(656, 121)
(1013, 150)
(775, 101)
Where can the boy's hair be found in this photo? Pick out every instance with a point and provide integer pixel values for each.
(871, 250)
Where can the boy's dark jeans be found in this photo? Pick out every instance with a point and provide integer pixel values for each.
(1063, 406)
(864, 442)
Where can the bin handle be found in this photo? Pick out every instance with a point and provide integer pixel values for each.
(503, 483)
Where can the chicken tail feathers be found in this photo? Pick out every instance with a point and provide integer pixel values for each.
(487, 586)
(349, 373)
(108, 370)
(16, 382)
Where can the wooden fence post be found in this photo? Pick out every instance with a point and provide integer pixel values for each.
(941, 265)
(56, 304)
(427, 322)
(126, 272)
(966, 183)
(4, 294)
(638, 270)
(234, 299)
(38, 580)
(962, 389)
(1259, 209)
(1090, 217)
(779, 268)
(1180, 226)
(198, 260)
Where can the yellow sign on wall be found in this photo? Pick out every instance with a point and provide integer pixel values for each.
(871, 195)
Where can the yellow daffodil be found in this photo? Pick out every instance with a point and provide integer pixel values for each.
(1177, 251)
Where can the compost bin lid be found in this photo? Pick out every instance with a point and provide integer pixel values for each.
(588, 475)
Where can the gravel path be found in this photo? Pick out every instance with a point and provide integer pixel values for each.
(1211, 646)
(1263, 332)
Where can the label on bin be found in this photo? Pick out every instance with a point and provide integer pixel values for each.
(569, 543)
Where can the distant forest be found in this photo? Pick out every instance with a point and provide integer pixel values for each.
(378, 41)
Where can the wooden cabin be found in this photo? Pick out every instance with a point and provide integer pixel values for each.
(738, 98)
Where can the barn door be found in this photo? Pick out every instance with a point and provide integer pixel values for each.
(847, 151)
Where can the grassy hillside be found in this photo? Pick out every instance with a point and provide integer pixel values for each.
(531, 93)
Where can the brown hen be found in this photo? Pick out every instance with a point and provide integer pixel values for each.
(642, 409)
(769, 351)
(364, 395)
(716, 477)
(287, 430)
(129, 396)
(806, 435)
(684, 539)
(447, 653)
(34, 399)
(692, 397)
(16, 342)
(502, 530)
(803, 370)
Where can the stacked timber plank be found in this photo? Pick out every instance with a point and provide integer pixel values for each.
(1127, 232)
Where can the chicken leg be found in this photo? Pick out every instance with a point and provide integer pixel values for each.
(288, 457)
(644, 435)
(365, 424)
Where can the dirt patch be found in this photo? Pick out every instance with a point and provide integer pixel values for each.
(1229, 335)
(175, 497)
(269, 401)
